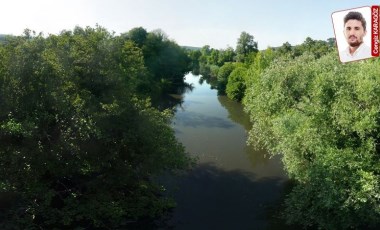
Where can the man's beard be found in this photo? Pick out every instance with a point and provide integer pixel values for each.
(355, 43)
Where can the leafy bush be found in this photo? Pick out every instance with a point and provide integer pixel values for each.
(236, 84)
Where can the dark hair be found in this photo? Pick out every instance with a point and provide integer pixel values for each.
(356, 16)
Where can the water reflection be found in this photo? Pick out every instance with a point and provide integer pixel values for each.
(194, 119)
(173, 99)
(237, 114)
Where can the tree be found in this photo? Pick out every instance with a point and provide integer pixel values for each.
(165, 60)
(263, 59)
(316, 47)
(138, 35)
(206, 50)
(245, 45)
(79, 148)
(226, 55)
(214, 57)
(285, 49)
(236, 85)
(223, 76)
(331, 42)
(323, 118)
(194, 56)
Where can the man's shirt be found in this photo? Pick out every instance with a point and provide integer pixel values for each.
(362, 52)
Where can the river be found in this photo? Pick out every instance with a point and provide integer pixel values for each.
(232, 185)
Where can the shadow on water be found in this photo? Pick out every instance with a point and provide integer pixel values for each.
(210, 198)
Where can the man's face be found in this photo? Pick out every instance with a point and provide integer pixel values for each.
(354, 32)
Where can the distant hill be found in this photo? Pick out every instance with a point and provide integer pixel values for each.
(191, 47)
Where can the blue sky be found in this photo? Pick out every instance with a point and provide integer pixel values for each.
(217, 23)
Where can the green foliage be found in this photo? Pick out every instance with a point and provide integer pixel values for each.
(236, 84)
(214, 57)
(226, 55)
(323, 118)
(214, 70)
(245, 45)
(165, 60)
(223, 74)
(263, 59)
(285, 49)
(194, 56)
(77, 145)
(138, 35)
(217, 57)
(318, 48)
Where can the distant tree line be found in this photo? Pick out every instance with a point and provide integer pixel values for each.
(218, 65)
(80, 142)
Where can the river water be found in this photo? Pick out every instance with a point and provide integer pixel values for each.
(232, 185)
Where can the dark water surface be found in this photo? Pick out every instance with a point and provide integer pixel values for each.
(232, 186)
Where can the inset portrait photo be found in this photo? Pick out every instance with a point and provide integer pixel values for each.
(353, 30)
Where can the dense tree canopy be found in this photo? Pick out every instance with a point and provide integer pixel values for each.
(79, 140)
(323, 118)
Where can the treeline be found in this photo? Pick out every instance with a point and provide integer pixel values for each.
(227, 69)
(80, 141)
(321, 116)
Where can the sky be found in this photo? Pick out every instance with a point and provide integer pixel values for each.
(217, 23)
